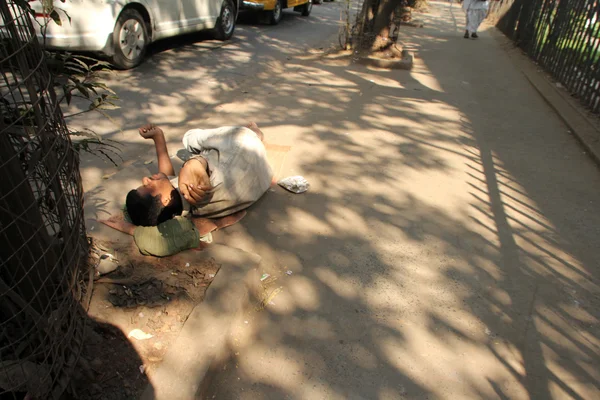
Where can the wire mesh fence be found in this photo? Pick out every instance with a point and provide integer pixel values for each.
(43, 245)
(562, 36)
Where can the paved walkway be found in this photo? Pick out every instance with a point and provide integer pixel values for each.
(449, 244)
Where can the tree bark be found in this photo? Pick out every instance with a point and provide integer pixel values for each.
(374, 22)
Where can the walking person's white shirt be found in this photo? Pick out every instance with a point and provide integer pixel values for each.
(476, 11)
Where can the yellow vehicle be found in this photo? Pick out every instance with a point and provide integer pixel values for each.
(274, 8)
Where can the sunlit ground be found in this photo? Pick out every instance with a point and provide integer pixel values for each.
(447, 247)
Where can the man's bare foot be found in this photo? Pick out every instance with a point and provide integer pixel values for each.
(253, 127)
(229, 220)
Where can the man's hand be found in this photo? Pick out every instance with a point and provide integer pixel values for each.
(193, 181)
(150, 131)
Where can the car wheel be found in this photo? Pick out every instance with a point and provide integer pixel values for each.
(317, 1)
(130, 40)
(226, 22)
(275, 14)
(307, 8)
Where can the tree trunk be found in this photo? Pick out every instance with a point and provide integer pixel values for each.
(374, 23)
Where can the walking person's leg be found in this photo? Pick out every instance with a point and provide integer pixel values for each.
(466, 25)
(477, 19)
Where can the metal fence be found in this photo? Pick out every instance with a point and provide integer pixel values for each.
(563, 36)
(43, 245)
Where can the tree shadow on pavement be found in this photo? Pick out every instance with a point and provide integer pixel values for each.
(446, 248)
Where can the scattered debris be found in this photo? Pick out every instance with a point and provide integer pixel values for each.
(264, 277)
(295, 184)
(151, 293)
(211, 275)
(139, 335)
(289, 272)
(141, 294)
(142, 368)
(187, 265)
(148, 162)
(268, 279)
(269, 299)
(107, 264)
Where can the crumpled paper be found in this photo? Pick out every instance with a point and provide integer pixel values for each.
(139, 334)
(295, 184)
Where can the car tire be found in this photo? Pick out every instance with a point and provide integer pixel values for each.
(130, 40)
(226, 22)
(307, 8)
(318, 1)
(275, 14)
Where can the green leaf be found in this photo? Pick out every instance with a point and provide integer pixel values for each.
(108, 106)
(55, 17)
(70, 65)
(68, 16)
(82, 89)
(84, 65)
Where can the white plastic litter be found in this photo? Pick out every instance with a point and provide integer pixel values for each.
(295, 184)
(107, 264)
(288, 272)
(139, 334)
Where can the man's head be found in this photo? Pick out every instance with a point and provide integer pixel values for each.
(154, 202)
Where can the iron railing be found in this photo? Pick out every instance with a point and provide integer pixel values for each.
(563, 36)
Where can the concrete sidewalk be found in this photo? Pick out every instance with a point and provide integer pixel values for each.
(447, 248)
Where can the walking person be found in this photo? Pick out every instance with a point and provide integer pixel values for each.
(476, 11)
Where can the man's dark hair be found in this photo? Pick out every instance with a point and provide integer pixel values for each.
(149, 211)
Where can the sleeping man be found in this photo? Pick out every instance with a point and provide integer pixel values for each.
(227, 172)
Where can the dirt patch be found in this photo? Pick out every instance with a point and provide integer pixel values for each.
(139, 310)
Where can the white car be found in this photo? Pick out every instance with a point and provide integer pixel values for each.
(123, 29)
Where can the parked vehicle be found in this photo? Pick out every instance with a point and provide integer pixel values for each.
(123, 29)
(273, 8)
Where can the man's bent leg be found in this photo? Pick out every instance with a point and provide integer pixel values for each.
(205, 225)
(253, 127)
(229, 220)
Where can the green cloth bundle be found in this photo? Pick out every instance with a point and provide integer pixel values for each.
(170, 237)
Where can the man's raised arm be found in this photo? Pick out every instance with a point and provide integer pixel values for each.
(151, 131)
